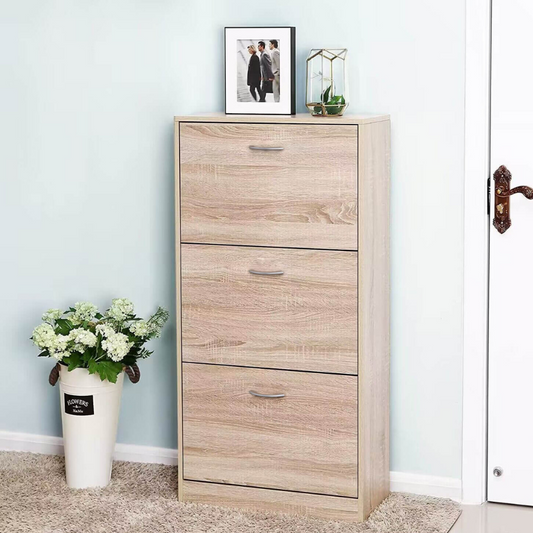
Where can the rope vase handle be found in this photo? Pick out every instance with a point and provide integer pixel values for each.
(132, 371)
(54, 375)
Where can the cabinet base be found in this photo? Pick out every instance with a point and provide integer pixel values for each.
(252, 498)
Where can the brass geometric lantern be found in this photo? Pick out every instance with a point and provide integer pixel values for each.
(326, 89)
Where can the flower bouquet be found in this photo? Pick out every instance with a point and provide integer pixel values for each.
(81, 337)
(92, 350)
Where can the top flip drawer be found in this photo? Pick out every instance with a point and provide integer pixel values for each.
(288, 185)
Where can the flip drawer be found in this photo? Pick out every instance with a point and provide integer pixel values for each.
(269, 185)
(269, 307)
(293, 431)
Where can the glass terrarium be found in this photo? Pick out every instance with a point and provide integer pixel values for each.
(326, 91)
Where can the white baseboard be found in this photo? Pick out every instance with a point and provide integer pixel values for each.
(145, 454)
(440, 487)
(26, 442)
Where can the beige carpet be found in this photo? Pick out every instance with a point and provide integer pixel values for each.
(142, 498)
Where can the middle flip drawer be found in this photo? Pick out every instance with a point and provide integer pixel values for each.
(269, 307)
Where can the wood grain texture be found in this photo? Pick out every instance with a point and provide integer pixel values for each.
(177, 240)
(249, 498)
(303, 196)
(374, 315)
(299, 118)
(305, 319)
(306, 441)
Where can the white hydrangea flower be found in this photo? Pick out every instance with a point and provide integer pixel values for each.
(84, 311)
(44, 336)
(105, 330)
(59, 356)
(51, 315)
(140, 328)
(82, 339)
(120, 308)
(60, 343)
(117, 346)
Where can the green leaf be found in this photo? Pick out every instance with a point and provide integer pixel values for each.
(73, 361)
(87, 356)
(325, 96)
(334, 100)
(108, 370)
(63, 326)
(44, 354)
(129, 360)
(92, 366)
(144, 354)
(336, 104)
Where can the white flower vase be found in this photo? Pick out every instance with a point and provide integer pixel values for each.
(89, 412)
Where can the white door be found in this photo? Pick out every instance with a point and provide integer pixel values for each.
(510, 415)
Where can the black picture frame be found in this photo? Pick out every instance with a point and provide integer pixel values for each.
(234, 107)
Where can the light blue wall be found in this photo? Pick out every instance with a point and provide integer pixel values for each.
(87, 95)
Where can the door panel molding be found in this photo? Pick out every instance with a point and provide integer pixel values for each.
(476, 249)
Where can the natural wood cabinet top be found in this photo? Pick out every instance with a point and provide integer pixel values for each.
(299, 118)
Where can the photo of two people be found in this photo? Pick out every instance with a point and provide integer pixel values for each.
(258, 70)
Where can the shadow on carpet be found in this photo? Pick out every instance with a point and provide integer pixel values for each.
(34, 498)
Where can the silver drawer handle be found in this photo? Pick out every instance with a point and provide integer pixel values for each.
(267, 148)
(259, 395)
(267, 272)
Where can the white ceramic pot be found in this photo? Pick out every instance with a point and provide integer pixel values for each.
(89, 412)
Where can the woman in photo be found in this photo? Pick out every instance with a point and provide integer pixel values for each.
(254, 74)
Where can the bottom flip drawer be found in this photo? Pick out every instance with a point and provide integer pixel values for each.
(270, 428)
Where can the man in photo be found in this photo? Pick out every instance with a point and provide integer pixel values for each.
(267, 77)
(275, 68)
(254, 74)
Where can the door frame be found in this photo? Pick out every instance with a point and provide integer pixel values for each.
(476, 249)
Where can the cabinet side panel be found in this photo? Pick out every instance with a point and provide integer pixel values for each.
(177, 245)
(374, 315)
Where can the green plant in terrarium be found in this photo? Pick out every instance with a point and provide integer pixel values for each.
(335, 103)
(326, 91)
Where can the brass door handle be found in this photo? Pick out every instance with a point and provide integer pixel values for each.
(502, 198)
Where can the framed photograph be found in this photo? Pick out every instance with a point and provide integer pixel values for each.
(260, 70)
